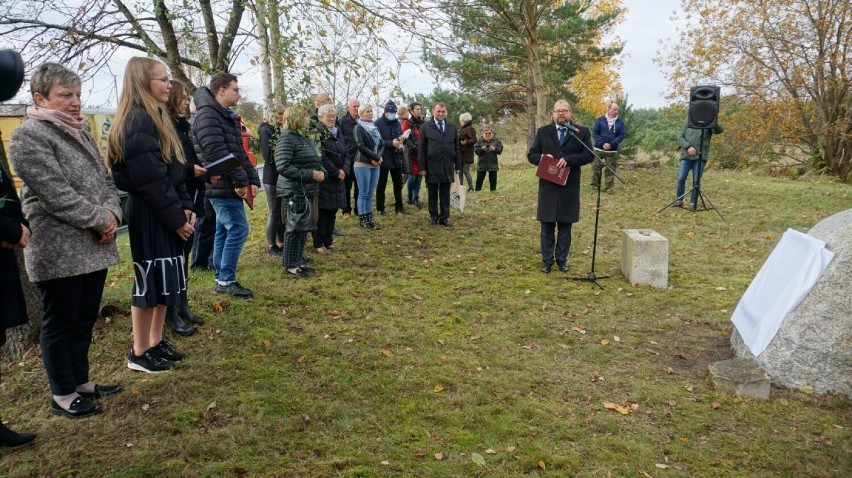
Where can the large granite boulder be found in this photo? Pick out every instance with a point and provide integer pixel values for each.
(814, 344)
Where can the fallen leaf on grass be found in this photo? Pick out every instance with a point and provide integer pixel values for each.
(478, 459)
(541, 464)
(220, 305)
(387, 353)
(809, 389)
(721, 288)
(385, 462)
(300, 359)
(716, 405)
(684, 439)
(211, 406)
(334, 313)
(578, 329)
(145, 407)
(661, 466)
(257, 356)
(490, 451)
(605, 342)
(622, 409)
(439, 456)
(266, 343)
(416, 297)
(510, 449)
(616, 338)
(420, 453)
(438, 388)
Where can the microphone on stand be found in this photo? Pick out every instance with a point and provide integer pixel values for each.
(571, 128)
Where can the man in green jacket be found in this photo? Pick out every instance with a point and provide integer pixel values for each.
(694, 151)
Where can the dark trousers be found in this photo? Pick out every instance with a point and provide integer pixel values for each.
(396, 178)
(274, 228)
(351, 199)
(561, 241)
(69, 310)
(492, 179)
(439, 191)
(205, 232)
(325, 228)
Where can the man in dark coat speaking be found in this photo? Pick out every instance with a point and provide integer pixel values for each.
(559, 205)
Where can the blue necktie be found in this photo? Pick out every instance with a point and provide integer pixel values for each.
(441, 126)
(561, 135)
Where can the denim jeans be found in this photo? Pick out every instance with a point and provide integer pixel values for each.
(231, 232)
(368, 179)
(697, 168)
(414, 181)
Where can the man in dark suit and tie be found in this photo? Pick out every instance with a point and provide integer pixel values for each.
(440, 162)
(559, 205)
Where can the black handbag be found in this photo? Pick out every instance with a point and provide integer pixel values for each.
(300, 215)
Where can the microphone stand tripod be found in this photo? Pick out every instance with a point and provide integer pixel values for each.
(703, 197)
(591, 276)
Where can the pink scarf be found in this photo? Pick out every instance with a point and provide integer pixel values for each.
(74, 126)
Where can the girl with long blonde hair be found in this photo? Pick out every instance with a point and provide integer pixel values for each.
(147, 161)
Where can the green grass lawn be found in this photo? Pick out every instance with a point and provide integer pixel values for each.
(432, 352)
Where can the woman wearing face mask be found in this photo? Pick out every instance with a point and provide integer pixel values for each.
(390, 131)
(336, 163)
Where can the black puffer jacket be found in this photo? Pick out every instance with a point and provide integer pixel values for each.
(216, 134)
(390, 130)
(195, 186)
(143, 172)
(296, 159)
(347, 126)
(334, 160)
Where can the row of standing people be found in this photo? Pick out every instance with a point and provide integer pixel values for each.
(375, 149)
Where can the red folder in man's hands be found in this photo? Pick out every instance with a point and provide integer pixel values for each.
(549, 171)
(249, 198)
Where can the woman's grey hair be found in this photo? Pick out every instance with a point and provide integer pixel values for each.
(364, 107)
(325, 109)
(48, 75)
(465, 117)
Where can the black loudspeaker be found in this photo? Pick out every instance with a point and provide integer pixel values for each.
(11, 73)
(703, 106)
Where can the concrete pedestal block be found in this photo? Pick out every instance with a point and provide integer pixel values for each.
(645, 258)
(741, 377)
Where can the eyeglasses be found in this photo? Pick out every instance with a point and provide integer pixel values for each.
(164, 79)
(561, 111)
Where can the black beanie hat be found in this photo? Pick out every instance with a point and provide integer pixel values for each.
(390, 107)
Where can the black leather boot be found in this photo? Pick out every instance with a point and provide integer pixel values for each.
(187, 314)
(8, 438)
(371, 222)
(177, 324)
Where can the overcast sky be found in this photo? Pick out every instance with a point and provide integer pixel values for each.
(645, 30)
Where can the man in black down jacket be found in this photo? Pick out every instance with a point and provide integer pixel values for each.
(440, 161)
(217, 134)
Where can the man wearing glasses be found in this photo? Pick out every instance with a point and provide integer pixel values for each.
(216, 135)
(559, 206)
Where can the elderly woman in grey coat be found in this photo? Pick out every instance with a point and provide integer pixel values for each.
(73, 210)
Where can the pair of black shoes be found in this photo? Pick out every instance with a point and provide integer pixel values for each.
(181, 318)
(84, 406)
(548, 266)
(8, 438)
(159, 358)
